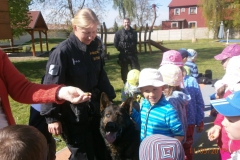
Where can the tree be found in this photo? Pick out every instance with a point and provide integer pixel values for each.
(19, 18)
(212, 12)
(215, 11)
(143, 12)
(115, 27)
(125, 8)
(236, 13)
(62, 11)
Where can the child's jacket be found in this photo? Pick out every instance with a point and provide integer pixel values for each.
(195, 108)
(179, 101)
(162, 118)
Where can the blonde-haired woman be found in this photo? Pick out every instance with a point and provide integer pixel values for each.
(77, 62)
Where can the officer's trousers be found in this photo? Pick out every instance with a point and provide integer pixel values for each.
(124, 60)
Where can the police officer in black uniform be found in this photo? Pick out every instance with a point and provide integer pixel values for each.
(77, 62)
(125, 41)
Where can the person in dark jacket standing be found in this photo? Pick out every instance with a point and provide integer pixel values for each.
(125, 41)
(77, 62)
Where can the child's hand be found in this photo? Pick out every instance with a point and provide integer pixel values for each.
(199, 129)
(214, 132)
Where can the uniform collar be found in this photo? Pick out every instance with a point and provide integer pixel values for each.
(75, 40)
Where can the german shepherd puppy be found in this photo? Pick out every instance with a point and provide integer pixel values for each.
(119, 130)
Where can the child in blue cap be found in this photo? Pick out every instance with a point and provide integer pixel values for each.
(230, 108)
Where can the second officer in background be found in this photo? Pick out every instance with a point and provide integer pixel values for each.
(125, 41)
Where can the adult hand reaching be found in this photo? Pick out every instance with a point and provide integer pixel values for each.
(73, 94)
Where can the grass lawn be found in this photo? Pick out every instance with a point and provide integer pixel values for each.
(34, 68)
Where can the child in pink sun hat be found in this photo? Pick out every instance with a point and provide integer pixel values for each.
(218, 132)
(227, 53)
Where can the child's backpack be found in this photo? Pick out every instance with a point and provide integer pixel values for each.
(208, 74)
(206, 78)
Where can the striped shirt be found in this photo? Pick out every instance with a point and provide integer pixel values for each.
(193, 68)
(162, 118)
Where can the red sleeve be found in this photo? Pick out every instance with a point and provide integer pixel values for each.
(218, 120)
(20, 89)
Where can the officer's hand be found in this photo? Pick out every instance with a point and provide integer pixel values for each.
(55, 128)
(73, 95)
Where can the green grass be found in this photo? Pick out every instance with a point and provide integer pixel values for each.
(34, 68)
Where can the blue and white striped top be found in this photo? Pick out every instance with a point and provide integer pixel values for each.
(193, 68)
(162, 118)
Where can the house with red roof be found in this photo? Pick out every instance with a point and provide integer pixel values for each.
(184, 14)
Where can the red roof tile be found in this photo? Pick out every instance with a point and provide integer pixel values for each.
(180, 3)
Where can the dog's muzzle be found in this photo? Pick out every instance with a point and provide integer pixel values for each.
(111, 127)
(112, 132)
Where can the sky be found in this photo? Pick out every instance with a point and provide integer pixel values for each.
(162, 13)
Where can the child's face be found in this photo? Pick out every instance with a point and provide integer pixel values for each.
(232, 127)
(184, 60)
(152, 94)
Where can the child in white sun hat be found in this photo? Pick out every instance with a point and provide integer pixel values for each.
(177, 96)
(157, 115)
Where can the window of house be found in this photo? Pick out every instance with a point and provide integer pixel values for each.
(192, 10)
(192, 24)
(182, 9)
(174, 25)
(177, 11)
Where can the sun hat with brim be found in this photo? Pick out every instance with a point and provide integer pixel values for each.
(229, 106)
(160, 147)
(171, 74)
(150, 77)
(133, 77)
(192, 54)
(232, 75)
(172, 57)
(230, 51)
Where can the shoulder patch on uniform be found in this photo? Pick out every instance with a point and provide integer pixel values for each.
(53, 69)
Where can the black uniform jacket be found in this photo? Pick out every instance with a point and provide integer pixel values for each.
(126, 40)
(75, 64)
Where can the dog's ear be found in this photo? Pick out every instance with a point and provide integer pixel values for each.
(104, 101)
(127, 105)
